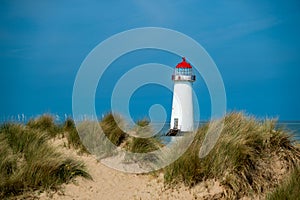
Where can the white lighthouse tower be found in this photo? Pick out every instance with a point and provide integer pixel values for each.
(182, 117)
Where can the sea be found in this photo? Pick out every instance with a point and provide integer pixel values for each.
(293, 127)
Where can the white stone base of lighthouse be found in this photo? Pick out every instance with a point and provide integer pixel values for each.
(182, 117)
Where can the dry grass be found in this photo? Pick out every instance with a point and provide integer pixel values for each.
(139, 144)
(289, 189)
(110, 126)
(241, 159)
(28, 163)
(45, 123)
(100, 138)
(73, 137)
(244, 159)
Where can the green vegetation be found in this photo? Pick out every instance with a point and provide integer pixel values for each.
(28, 162)
(143, 123)
(143, 145)
(45, 123)
(72, 136)
(109, 125)
(241, 159)
(140, 144)
(289, 189)
(244, 159)
(101, 138)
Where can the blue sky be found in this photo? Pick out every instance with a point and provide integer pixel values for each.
(255, 45)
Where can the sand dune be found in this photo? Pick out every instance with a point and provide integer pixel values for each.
(112, 184)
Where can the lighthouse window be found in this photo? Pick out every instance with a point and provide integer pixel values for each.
(183, 71)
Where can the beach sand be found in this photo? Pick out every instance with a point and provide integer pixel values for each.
(111, 184)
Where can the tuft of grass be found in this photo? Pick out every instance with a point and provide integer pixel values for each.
(142, 141)
(143, 122)
(143, 145)
(289, 189)
(140, 144)
(45, 123)
(22, 139)
(28, 162)
(94, 139)
(110, 126)
(72, 136)
(8, 161)
(241, 158)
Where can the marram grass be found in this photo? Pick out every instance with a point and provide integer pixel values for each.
(142, 141)
(289, 189)
(28, 162)
(72, 136)
(241, 159)
(110, 126)
(45, 123)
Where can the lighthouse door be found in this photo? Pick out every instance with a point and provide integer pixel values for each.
(175, 123)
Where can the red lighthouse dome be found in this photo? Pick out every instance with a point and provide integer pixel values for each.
(183, 72)
(183, 64)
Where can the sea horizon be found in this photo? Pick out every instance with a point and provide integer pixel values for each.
(292, 125)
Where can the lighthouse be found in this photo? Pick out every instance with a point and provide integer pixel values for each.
(182, 117)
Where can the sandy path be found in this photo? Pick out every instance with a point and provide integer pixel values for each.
(112, 184)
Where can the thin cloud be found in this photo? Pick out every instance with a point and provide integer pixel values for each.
(240, 29)
(249, 27)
